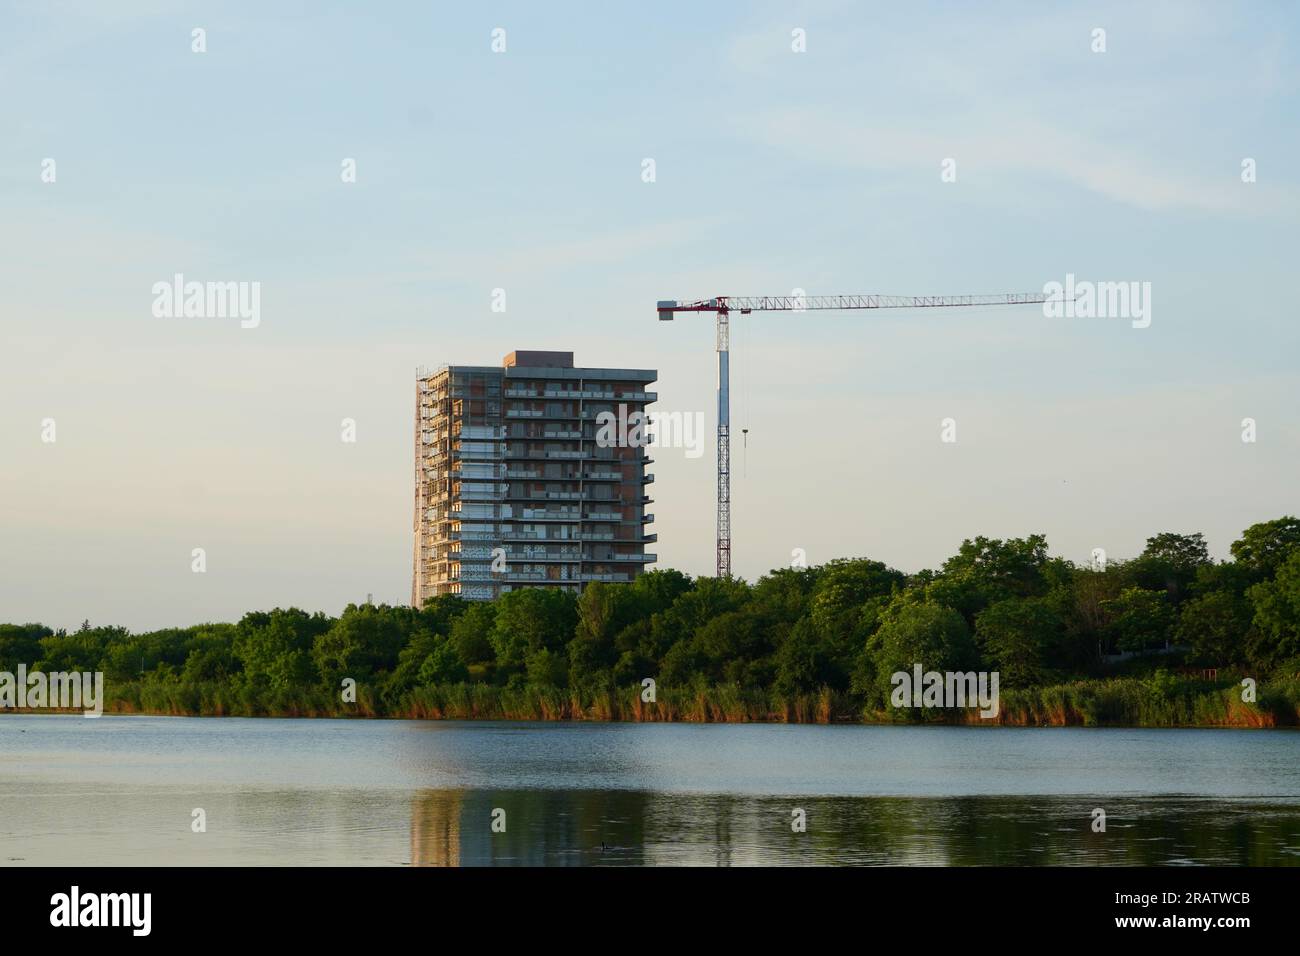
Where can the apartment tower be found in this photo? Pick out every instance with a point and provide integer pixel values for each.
(517, 484)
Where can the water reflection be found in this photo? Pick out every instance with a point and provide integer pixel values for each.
(629, 828)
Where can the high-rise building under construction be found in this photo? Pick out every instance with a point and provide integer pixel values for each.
(517, 480)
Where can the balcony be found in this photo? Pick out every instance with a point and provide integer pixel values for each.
(474, 512)
(526, 497)
(478, 454)
(542, 514)
(481, 432)
(525, 557)
(488, 495)
(472, 535)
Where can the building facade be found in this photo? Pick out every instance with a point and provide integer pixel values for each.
(517, 480)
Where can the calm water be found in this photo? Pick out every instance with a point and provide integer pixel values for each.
(122, 789)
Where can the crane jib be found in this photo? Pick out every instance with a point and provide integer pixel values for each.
(722, 307)
(808, 303)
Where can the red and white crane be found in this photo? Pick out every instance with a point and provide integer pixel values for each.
(723, 305)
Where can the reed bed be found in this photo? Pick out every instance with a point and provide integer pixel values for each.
(1163, 701)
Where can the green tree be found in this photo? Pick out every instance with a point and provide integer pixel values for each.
(532, 620)
(843, 587)
(1277, 615)
(1215, 626)
(920, 632)
(275, 647)
(603, 610)
(364, 641)
(210, 654)
(1019, 639)
(443, 665)
(986, 570)
(21, 644)
(1187, 551)
(83, 650)
(471, 633)
(1140, 619)
(441, 611)
(1169, 561)
(710, 598)
(545, 667)
(1264, 547)
(806, 661)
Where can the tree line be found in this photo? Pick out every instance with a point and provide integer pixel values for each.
(841, 627)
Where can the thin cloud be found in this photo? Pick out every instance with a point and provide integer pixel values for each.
(821, 136)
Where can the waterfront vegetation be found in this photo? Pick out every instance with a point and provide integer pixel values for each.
(1163, 639)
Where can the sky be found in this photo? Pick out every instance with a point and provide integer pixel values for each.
(827, 169)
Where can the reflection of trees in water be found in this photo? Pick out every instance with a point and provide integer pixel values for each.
(627, 827)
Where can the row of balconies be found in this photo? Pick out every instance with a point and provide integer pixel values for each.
(572, 476)
(594, 453)
(520, 535)
(564, 414)
(521, 432)
(501, 492)
(524, 391)
(440, 515)
(527, 576)
(544, 554)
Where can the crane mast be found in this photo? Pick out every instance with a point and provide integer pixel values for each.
(722, 306)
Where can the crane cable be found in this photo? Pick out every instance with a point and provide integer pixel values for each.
(744, 398)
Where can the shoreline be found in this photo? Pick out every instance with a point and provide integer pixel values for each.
(974, 723)
(1163, 701)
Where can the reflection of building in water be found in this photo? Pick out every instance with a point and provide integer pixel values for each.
(453, 828)
(543, 827)
(435, 828)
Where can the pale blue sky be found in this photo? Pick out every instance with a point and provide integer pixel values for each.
(522, 170)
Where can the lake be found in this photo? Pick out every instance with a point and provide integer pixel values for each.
(123, 790)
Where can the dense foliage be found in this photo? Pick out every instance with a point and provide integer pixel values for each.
(834, 632)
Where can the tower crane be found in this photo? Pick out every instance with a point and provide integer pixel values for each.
(723, 305)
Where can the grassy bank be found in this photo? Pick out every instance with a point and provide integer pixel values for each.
(1159, 701)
